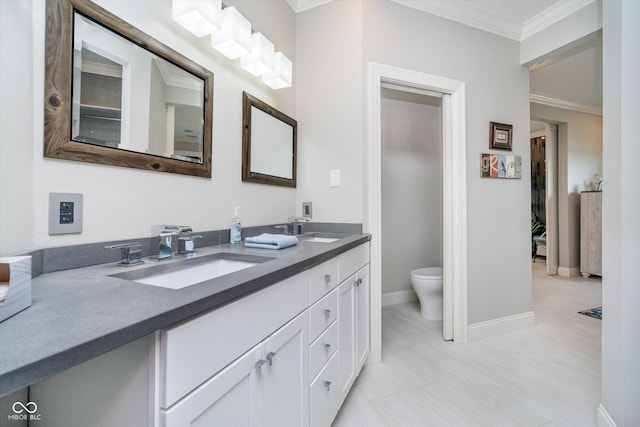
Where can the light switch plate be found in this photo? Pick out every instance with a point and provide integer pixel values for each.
(65, 213)
(334, 178)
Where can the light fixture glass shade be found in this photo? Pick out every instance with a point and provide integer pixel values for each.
(200, 17)
(261, 59)
(234, 38)
(282, 75)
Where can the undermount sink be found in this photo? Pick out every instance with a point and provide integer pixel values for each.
(321, 239)
(190, 272)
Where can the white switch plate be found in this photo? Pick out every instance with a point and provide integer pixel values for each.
(334, 178)
(55, 226)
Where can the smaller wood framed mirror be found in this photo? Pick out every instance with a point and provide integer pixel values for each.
(269, 144)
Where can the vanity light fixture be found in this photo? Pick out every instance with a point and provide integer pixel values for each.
(234, 38)
(199, 17)
(261, 59)
(231, 35)
(282, 74)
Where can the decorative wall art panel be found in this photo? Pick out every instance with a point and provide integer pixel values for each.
(501, 166)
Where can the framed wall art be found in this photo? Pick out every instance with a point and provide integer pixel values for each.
(500, 136)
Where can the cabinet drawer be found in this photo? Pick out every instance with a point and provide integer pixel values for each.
(321, 350)
(322, 314)
(323, 395)
(322, 279)
(351, 261)
(195, 350)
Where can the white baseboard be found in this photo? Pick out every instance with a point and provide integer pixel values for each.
(489, 328)
(569, 271)
(398, 297)
(604, 419)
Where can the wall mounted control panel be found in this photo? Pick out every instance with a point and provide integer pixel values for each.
(65, 213)
(307, 211)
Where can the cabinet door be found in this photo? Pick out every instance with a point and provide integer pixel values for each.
(346, 337)
(230, 398)
(285, 376)
(362, 317)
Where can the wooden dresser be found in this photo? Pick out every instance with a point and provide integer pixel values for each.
(591, 233)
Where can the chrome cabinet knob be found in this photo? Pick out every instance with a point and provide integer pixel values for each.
(327, 313)
(259, 364)
(327, 385)
(327, 347)
(327, 278)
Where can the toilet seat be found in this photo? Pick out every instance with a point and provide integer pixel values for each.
(427, 273)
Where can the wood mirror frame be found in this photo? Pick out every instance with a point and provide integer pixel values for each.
(249, 174)
(58, 81)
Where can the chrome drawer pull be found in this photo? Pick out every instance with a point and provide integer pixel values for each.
(358, 282)
(270, 357)
(327, 347)
(327, 313)
(327, 278)
(259, 364)
(327, 384)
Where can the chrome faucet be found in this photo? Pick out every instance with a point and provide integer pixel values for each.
(186, 246)
(294, 223)
(130, 253)
(166, 236)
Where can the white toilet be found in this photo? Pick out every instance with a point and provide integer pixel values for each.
(427, 283)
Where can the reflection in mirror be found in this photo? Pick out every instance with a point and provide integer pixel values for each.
(129, 95)
(268, 144)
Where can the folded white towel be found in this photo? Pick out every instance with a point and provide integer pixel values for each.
(271, 241)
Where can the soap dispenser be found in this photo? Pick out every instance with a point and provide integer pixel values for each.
(235, 235)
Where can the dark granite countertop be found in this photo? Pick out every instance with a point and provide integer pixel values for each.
(81, 313)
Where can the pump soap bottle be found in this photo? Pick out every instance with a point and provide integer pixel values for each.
(235, 235)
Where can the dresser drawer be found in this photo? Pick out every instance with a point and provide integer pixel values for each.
(322, 279)
(351, 261)
(321, 350)
(323, 395)
(322, 314)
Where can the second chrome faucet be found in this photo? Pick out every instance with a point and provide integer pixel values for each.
(186, 244)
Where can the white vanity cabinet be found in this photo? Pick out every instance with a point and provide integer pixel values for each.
(211, 371)
(353, 315)
(266, 386)
(285, 355)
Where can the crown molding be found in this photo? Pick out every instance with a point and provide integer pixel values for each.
(475, 15)
(471, 14)
(551, 15)
(302, 5)
(567, 105)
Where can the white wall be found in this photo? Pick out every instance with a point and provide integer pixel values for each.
(330, 109)
(336, 42)
(411, 186)
(499, 280)
(620, 225)
(579, 159)
(122, 203)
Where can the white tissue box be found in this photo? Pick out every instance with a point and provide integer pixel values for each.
(15, 285)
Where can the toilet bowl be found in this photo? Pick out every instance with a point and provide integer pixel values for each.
(427, 283)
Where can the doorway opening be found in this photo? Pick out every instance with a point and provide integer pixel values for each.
(454, 255)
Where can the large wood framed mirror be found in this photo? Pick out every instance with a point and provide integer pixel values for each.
(116, 96)
(269, 143)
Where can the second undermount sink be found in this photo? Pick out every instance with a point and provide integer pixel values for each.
(321, 237)
(190, 272)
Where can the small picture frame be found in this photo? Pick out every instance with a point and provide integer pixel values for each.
(500, 136)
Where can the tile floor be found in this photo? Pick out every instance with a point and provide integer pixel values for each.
(548, 375)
